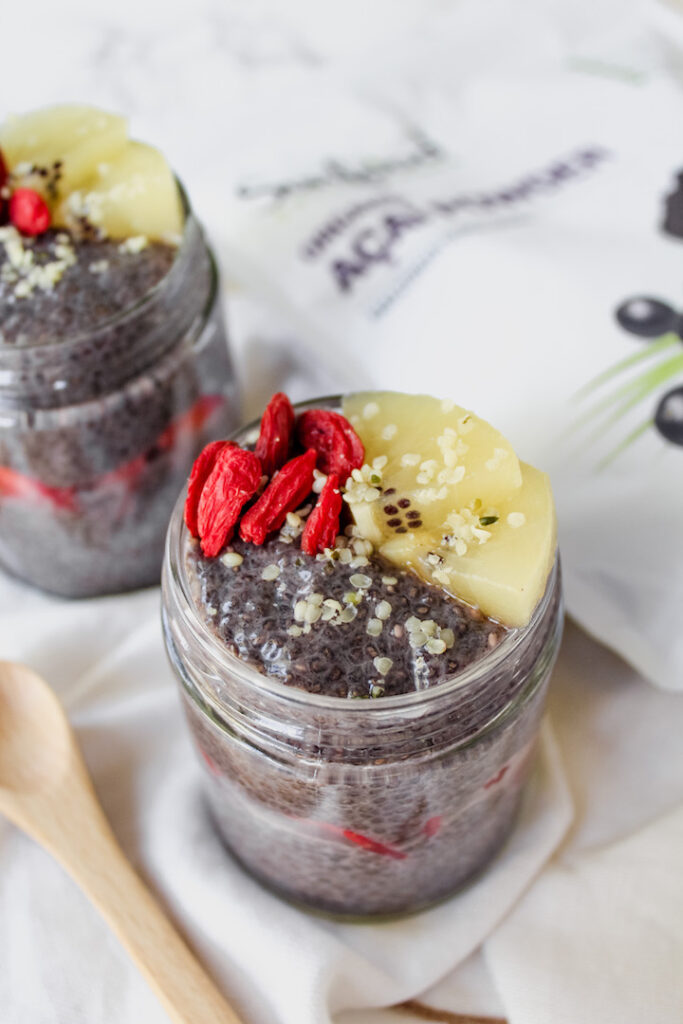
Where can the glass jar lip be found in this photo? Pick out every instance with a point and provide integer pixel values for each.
(175, 570)
(7, 352)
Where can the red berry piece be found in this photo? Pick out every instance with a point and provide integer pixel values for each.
(188, 424)
(497, 777)
(28, 212)
(203, 465)
(357, 838)
(4, 205)
(233, 480)
(338, 445)
(210, 763)
(274, 439)
(372, 845)
(284, 494)
(433, 826)
(15, 485)
(322, 526)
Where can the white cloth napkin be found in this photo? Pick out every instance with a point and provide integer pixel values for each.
(599, 936)
(630, 948)
(106, 661)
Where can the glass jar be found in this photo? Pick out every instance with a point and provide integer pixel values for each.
(360, 808)
(99, 431)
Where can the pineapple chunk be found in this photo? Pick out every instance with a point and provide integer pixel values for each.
(440, 457)
(80, 137)
(134, 194)
(455, 503)
(507, 574)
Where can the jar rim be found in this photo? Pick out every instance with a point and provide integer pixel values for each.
(175, 574)
(121, 315)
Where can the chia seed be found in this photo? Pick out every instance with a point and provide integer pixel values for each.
(254, 617)
(80, 300)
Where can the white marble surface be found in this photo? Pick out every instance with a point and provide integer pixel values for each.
(218, 84)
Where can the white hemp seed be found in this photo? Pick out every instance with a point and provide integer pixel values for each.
(231, 559)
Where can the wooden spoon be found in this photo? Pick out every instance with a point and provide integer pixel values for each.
(45, 789)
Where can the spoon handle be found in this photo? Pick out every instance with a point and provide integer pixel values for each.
(79, 836)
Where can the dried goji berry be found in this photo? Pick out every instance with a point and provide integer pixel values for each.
(348, 834)
(322, 526)
(274, 439)
(234, 479)
(4, 215)
(497, 777)
(203, 465)
(338, 445)
(432, 826)
(372, 845)
(284, 493)
(15, 485)
(29, 212)
(186, 426)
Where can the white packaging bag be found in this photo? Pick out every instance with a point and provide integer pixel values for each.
(500, 257)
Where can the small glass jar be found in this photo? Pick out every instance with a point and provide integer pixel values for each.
(99, 431)
(351, 807)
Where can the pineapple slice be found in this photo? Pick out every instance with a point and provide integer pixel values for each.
(440, 457)
(134, 194)
(79, 137)
(456, 505)
(80, 159)
(505, 575)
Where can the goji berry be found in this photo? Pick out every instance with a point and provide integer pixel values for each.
(3, 184)
(277, 423)
(497, 777)
(29, 212)
(203, 465)
(15, 485)
(338, 445)
(372, 845)
(433, 826)
(210, 763)
(284, 493)
(234, 479)
(190, 422)
(322, 526)
(357, 838)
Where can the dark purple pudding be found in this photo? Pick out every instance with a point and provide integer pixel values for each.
(365, 736)
(112, 377)
(101, 278)
(359, 613)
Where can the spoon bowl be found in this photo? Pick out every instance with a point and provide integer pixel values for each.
(45, 789)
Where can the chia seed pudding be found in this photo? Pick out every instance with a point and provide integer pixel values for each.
(114, 373)
(252, 616)
(365, 735)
